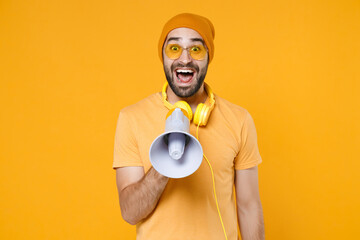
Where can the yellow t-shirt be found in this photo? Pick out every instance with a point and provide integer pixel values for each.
(186, 209)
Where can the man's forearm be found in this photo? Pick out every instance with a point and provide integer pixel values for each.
(251, 222)
(138, 200)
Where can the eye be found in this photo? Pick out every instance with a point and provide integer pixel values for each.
(174, 48)
(195, 49)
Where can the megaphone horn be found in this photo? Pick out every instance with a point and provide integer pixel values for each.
(176, 153)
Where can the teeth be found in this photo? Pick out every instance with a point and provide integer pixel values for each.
(184, 71)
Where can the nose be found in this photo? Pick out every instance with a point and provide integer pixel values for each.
(185, 57)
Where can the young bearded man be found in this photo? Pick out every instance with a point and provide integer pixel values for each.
(185, 208)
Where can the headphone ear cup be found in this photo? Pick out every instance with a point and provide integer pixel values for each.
(201, 114)
(186, 107)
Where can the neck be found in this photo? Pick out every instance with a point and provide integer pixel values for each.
(199, 97)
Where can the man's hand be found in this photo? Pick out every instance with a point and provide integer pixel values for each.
(138, 193)
(249, 209)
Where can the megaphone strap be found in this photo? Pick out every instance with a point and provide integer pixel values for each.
(213, 181)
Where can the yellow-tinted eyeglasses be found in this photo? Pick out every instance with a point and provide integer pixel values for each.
(174, 51)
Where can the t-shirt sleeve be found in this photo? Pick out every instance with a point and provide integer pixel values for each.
(126, 152)
(248, 155)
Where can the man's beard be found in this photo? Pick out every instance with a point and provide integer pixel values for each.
(185, 92)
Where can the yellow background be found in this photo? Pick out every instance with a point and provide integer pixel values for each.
(68, 67)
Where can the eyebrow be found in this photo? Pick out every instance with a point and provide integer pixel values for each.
(173, 39)
(198, 40)
(192, 39)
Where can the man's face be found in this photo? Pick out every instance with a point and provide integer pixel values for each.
(185, 74)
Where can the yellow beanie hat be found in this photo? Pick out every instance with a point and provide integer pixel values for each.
(188, 20)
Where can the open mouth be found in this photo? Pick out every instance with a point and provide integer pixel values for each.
(184, 75)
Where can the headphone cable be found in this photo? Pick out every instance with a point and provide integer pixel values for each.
(213, 181)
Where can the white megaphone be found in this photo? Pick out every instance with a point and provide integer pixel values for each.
(176, 153)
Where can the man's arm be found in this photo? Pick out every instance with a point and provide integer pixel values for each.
(138, 193)
(249, 209)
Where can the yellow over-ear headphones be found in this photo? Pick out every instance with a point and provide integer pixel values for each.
(203, 110)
